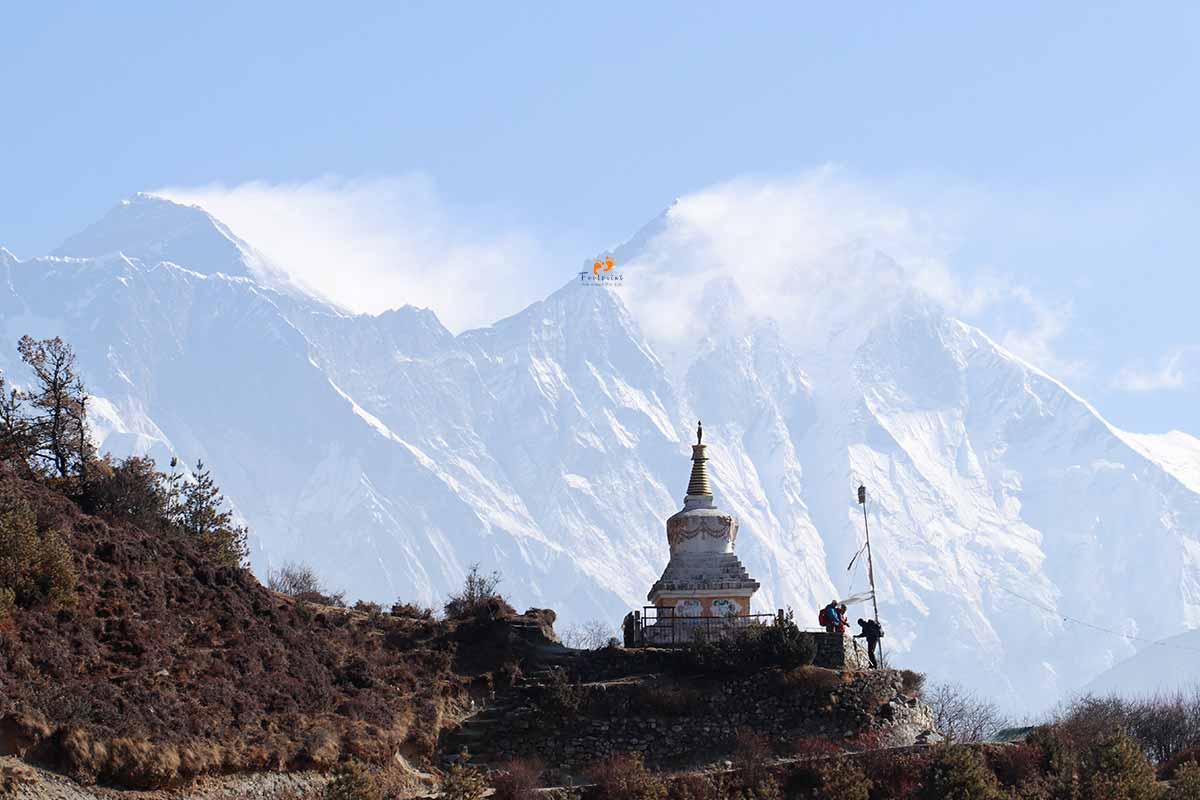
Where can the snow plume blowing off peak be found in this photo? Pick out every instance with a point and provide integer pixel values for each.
(840, 249)
(375, 244)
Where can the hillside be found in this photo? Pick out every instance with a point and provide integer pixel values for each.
(130, 657)
(160, 665)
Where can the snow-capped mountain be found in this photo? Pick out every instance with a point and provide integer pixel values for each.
(1161, 668)
(391, 454)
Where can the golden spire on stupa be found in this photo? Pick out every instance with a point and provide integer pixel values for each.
(698, 485)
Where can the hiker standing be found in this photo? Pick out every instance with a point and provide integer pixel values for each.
(831, 619)
(872, 632)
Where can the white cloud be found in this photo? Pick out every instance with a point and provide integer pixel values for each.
(374, 244)
(1173, 371)
(824, 252)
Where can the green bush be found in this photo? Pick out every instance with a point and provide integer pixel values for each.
(844, 782)
(752, 648)
(1186, 785)
(34, 566)
(1115, 768)
(352, 781)
(132, 489)
(463, 782)
(958, 772)
(560, 696)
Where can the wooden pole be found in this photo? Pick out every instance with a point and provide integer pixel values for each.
(862, 501)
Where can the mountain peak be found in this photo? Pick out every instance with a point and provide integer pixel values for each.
(7, 257)
(153, 228)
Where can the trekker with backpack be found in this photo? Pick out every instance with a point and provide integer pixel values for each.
(833, 618)
(872, 632)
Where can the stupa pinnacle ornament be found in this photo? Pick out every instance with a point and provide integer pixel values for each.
(703, 578)
(698, 485)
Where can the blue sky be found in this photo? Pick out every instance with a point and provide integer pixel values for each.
(1056, 146)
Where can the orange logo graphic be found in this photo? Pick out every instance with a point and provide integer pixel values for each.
(602, 273)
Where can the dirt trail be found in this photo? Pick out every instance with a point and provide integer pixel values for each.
(19, 781)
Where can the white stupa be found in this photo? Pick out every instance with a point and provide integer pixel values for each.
(704, 578)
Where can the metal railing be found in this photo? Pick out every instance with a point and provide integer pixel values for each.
(662, 627)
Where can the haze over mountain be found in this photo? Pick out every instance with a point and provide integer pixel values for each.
(391, 454)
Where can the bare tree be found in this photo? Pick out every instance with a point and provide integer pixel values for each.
(591, 635)
(961, 715)
(293, 578)
(1162, 724)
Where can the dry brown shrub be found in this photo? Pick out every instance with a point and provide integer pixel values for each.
(141, 764)
(198, 757)
(322, 748)
(911, 683)
(815, 747)
(20, 733)
(84, 756)
(1174, 763)
(518, 779)
(625, 777)
(411, 611)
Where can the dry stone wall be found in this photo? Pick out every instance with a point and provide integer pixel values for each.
(680, 722)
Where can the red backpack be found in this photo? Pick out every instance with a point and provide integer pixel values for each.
(823, 617)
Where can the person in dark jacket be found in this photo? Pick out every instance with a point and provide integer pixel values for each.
(872, 632)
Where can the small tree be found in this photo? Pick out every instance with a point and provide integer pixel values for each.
(33, 565)
(58, 425)
(463, 781)
(201, 514)
(477, 595)
(1115, 768)
(958, 772)
(16, 434)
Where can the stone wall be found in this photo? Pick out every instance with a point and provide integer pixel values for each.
(839, 651)
(678, 722)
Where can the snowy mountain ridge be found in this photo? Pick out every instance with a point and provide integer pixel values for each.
(391, 454)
